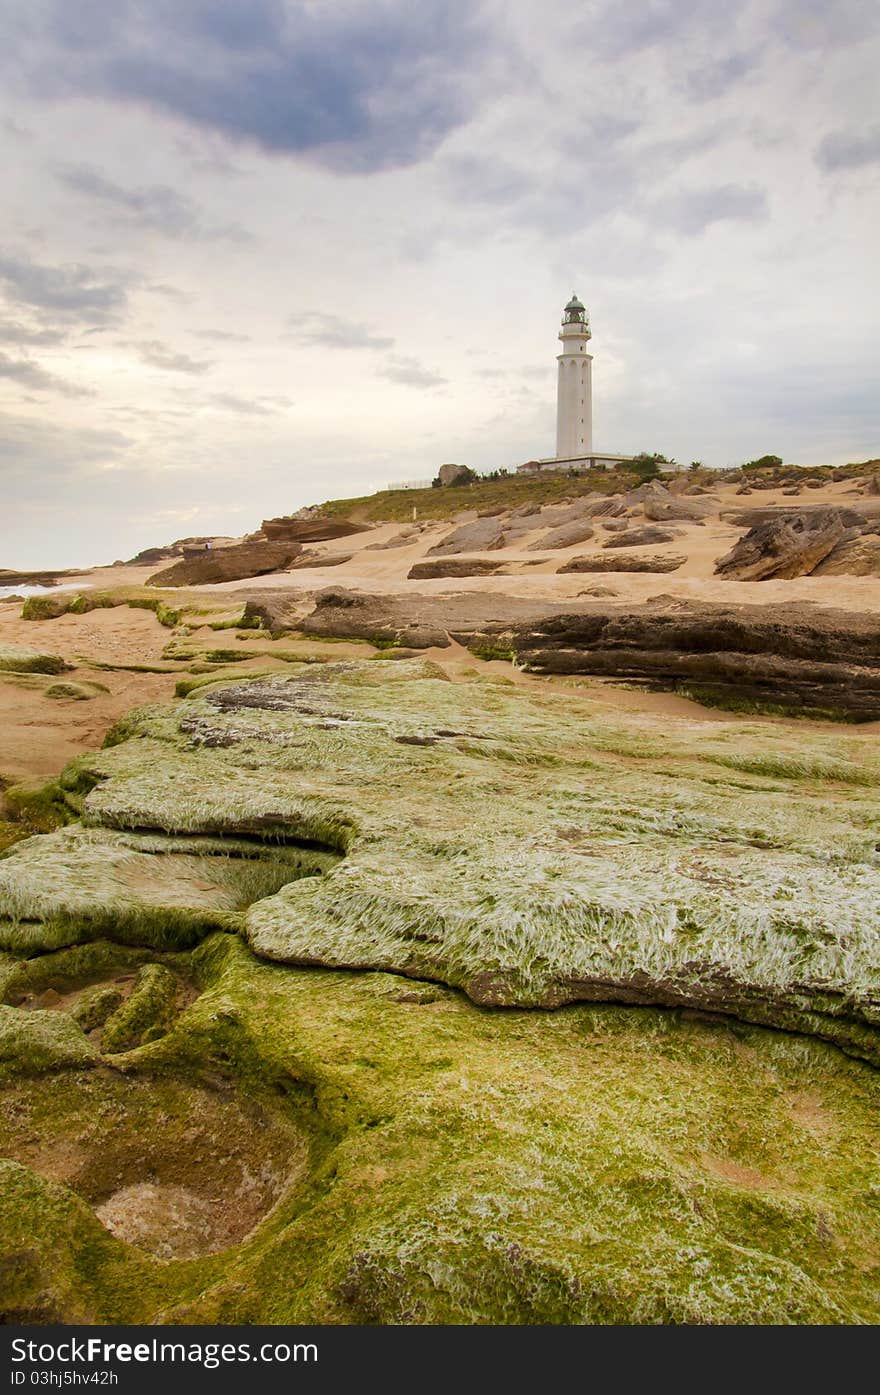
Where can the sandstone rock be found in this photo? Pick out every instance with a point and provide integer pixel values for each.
(228, 564)
(454, 474)
(795, 656)
(613, 507)
(480, 535)
(566, 536)
(596, 562)
(405, 538)
(272, 611)
(642, 537)
(679, 484)
(615, 525)
(293, 529)
(12, 578)
(662, 510)
(454, 566)
(785, 547)
(306, 560)
(651, 489)
(751, 518)
(857, 555)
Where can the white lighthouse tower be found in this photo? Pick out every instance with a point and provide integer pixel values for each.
(574, 392)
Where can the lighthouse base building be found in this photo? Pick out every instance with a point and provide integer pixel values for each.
(574, 401)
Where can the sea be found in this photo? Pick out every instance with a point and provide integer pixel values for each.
(38, 590)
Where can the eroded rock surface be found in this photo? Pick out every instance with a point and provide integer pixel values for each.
(228, 564)
(596, 562)
(327, 1132)
(784, 547)
(454, 566)
(801, 658)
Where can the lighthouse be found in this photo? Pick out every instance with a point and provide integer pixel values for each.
(574, 391)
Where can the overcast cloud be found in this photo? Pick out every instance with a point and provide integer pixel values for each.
(255, 255)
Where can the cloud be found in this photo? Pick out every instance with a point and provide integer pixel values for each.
(36, 448)
(221, 336)
(31, 375)
(14, 332)
(156, 206)
(332, 332)
(355, 85)
(621, 27)
(71, 292)
(816, 24)
(711, 80)
(410, 372)
(692, 211)
(158, 355)
(847, 150)
(249, 407)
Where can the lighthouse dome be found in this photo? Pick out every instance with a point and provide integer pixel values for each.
(575, 312)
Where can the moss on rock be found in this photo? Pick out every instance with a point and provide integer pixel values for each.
(75, 692)
(31, 1042)
(663, 1160)
(17, 658)
(146, 1014)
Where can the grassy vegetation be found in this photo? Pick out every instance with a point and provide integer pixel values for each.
(511, 491)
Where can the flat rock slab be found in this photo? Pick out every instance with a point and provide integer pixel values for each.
(568, 535)
(796, 656)
(642, 537)
(596, 562)
(228, 564)
(481, 535)
(454, 567)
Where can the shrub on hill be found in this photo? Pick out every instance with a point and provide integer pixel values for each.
(764, 462)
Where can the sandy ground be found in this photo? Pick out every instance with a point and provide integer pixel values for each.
(39, 734)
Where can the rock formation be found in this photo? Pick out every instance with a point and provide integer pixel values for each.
(642, 537)
(454, 566)
(294, 529)
(785, 547)
(228, 564)
(597, 562)
(792, 657)
(480, 535)
(567, 535)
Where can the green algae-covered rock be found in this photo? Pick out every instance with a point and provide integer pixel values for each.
(594, 1165)
(648, 1152)
(59, 1264)
(75, 692)
(31, 1042)
(18, 658)
(147, 1013)
(530, 846)
(95, 1005)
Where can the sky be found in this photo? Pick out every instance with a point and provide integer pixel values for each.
(257, 254)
